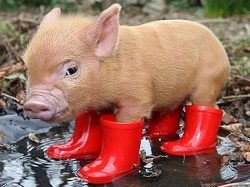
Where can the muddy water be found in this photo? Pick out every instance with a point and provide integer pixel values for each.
(27, 164)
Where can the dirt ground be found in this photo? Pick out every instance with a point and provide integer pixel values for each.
(16, 28)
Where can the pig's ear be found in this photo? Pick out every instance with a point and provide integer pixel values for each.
(105, 31)
(50, 17)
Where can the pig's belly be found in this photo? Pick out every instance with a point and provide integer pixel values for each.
(171, 95)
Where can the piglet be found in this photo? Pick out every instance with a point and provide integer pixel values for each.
(78, 64)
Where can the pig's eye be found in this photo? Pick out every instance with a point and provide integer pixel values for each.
(71, 71)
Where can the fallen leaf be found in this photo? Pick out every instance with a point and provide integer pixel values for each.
(34, 138)
(233, 128)
(2, 74)
(21, 97)
(149, 173)
(243, 146)
(3, 105)
(246, 155)
(1, 137)
(225, 160)
(16, 86)
(246, 132)
(3, 148)
(18, 68)
(247, 49)
(213, 184)
(149, 159)
(13, 71)
(228, 119)
(15, 76)
(143, 154)
(232, 157)
(226, 146)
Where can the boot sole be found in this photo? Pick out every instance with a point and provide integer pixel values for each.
(109, 179)
(208, 150)
(82, 157)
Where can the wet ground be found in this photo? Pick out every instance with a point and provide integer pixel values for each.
(26, 163)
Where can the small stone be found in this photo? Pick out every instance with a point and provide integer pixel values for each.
(154, 7)
(34, 138)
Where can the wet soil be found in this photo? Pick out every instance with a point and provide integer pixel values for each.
(25, 163)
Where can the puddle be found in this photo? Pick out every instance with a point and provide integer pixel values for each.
(28, 165)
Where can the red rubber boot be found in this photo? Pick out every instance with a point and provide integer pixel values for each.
(201, 128)
(120, 152)
(165, 125)
(85, 142)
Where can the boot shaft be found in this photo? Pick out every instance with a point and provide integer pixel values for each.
(123, 139)
(202, 119)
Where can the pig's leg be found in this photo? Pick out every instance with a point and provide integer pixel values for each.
(133, 111)
(86, 141)
(164, 125)
(202, 122)
(205, 94)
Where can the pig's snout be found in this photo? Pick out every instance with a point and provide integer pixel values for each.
(35, 108)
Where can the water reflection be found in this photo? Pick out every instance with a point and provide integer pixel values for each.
(29, 166)
(203, 166)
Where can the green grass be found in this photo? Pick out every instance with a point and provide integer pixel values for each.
(242, 65)
(241, 58)
(17, 4)
(226, 8)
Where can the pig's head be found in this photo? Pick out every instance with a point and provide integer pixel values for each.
(63, 63)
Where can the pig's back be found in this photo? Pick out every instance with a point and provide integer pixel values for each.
(171, 53)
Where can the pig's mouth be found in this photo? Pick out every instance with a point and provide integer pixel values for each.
(49, 110)
(61, 116)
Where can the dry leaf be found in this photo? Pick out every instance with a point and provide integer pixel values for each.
(228, 119)
(12, 69)
(33, 138)
(143, 154)
(149, 159)
(246, 155)
(246, 132)
(2, 74)
(3, 105)
(16, 86)
(225, 160)
(243, 146)
(21, 96)
(233, 128)
(150, 173)
(3, 148)
(232, 157)
(1, 137)
(17, 68)
(247, 49)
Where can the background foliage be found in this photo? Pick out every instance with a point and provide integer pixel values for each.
(213, 8)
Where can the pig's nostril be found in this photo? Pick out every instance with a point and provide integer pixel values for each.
(37, 109)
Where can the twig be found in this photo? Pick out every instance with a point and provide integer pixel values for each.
(28, 20)
(11, 97)
(247, 28)
(240, 136)
(232, 98)
(236, 96)
(235, 184)
(242, 78)
(12, 50)
(214, 21)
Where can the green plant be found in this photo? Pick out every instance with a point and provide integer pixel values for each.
(10, 4)
(226, 8)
